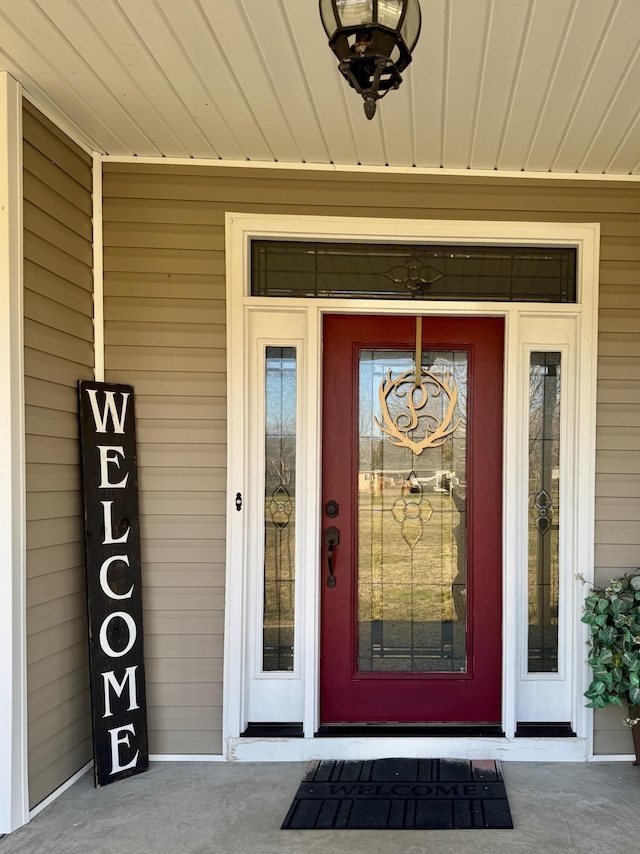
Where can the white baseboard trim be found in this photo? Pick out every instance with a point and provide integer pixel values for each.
(612, 757)
(60, 790)
(185, 757)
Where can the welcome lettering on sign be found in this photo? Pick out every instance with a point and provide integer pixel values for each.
(114, 592)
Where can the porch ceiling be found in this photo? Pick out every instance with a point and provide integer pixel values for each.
(535, 85)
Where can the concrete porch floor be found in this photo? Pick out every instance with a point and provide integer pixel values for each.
(205, 808)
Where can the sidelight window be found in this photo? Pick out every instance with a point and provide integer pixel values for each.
(544, 511)
(279, 509)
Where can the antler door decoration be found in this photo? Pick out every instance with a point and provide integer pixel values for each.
(414, 389)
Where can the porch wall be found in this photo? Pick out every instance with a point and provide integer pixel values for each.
(164, 309)
(58, 351)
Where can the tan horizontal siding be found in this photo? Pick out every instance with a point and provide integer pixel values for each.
(40, 505)
(184, 598)
(180, 623)
(619, 344)
(51, 368)
(167, 742)
(51, 668)
(58, 584)
(41, 222)
(183, 670)
(172, 235)
(619, 508)
(625, 415)
(611, 735)
(70, 752)
(49, 477)
(186, 719)
(57, 205)
(621, 486)
(53, 559)
(58, 638)
(59, 318)
(50, 396)
(69, 711)
(42, 421)
(162, 695)
(64, 292)
(175, 454)
(58, 335)
(180, 359)
(164, 239)
(181, 479)
(199, 575)
(188, 645)
(45, 137)
(182, 503)
(165, 335)
(60, 261)
(165, 286)
(190, 551)
(121, 332)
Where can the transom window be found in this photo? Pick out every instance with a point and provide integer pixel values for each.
(413, 272)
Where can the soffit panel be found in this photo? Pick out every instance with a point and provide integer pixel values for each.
(495, 84)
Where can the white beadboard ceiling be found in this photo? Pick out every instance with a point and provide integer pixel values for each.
(509, 85)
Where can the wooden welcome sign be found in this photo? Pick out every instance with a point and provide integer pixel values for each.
(114, 594)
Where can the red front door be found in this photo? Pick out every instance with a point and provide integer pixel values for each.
(412, 520)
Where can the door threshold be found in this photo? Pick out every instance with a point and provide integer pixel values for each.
(446, 746)
(483, 730)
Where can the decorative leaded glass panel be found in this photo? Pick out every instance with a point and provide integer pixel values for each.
(544, 510)
(412, 565)
(279, 509)
(412, 272)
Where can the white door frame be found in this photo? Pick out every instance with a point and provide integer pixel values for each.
(571, 328)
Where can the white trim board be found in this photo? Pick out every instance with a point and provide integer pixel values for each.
(98, 269)
(341, 168)
(186, 757)
(13, 708)
(526, 323)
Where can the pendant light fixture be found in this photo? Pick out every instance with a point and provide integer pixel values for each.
(373, 39)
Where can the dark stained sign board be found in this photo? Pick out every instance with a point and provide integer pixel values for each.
(114, 593)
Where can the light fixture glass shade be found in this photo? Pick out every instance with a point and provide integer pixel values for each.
(389, 13)
(328, 16)
(352, 13)
(410, 29)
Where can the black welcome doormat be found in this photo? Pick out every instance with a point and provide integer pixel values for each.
(400, 794)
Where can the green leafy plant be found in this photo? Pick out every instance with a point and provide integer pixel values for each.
(613, 615)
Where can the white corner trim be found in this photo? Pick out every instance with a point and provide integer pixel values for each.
(13, 708)
(98, 270)
(60, 790)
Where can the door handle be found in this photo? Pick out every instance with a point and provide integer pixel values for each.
(331, 540)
